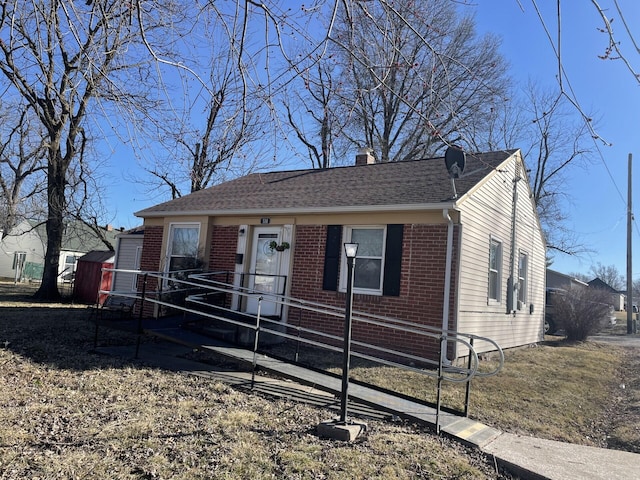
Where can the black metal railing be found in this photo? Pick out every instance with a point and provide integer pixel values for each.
(200, 287)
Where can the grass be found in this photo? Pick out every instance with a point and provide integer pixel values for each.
(556, 390)
(70, 413)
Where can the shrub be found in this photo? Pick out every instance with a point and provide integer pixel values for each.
(582, 311)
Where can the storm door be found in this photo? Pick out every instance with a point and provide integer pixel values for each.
(265, 270)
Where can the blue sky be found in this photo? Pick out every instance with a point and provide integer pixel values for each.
(598, 210)
(605, 88)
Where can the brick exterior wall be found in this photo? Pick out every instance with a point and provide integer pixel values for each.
(222, 257)
(421, 285)
(150, 261)
(421, 288)
(224, 243)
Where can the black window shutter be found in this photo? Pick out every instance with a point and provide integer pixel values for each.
(332, 257)
(393, 261)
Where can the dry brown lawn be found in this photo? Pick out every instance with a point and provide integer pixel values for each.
(68, 413)
(587, 393)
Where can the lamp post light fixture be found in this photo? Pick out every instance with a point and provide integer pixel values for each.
(350, 250)
(340, 428)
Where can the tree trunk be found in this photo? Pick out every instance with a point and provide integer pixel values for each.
(55, 229)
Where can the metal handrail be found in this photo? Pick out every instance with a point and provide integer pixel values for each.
(365, 317)
(262, 324)
(194, 280)
(457, 370)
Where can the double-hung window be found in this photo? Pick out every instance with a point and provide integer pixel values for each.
(183, 246)
(495, 270)
(523, 267)
(369, 264)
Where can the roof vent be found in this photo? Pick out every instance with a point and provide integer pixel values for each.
(365, 156)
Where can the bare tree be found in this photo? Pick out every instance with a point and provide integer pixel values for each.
(210, 128)
(405, 78)
(63, 58)
(206, 153)
(555, 142)
(86, 211)
(609, 274)
(314, 113)
(21, 168)
(419, 75)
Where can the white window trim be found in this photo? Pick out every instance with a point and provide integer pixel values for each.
(521, 305)
(498, 300)
(172, 227)
(346, 238)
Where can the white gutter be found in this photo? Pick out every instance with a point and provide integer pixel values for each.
(297, 210)
(447, 283)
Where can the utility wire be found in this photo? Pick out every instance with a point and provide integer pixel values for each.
(563, 79)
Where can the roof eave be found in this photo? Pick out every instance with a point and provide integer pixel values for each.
(297, 211)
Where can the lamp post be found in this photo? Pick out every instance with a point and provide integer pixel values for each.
(339, 428)
(350, 250)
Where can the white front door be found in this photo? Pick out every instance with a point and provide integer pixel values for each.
(264, 272)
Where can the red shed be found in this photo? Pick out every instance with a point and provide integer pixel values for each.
(89, 277)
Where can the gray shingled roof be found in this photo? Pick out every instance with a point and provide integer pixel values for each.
(417, 182)
(77, 237)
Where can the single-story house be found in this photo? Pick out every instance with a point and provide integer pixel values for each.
(557, 283)
(617, 299)
(459, 248)
(22, 250)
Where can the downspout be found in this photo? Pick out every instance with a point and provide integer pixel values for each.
(511, 282)
(447, 283)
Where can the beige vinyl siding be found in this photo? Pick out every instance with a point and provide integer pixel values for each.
(487, 213)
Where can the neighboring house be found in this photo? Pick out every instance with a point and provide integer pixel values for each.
(22, 250)
(557, 280)
(422, 233)
(128, 255)
(557, 283)
(617, 299)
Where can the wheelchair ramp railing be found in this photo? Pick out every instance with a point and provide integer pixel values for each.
(214, 297)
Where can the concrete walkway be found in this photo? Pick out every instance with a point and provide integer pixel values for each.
(527, 457)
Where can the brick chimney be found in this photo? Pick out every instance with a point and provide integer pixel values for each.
(365, 156)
